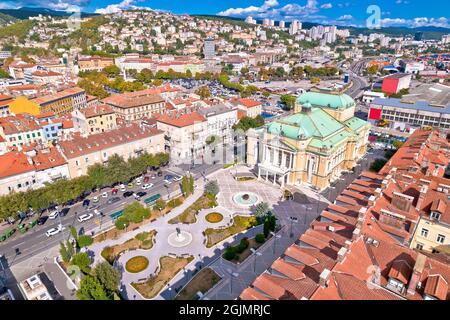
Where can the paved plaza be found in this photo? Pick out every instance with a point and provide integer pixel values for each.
(204, 256)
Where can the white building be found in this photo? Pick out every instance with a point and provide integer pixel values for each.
(34, 289)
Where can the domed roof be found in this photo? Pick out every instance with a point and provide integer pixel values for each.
(326, 100)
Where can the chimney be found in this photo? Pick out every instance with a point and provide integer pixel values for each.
(341, 254)
(417, 272)
(362, 212)
(356, 233)
(347, 244)
(423, 192)
(324, 276)
(371, 201)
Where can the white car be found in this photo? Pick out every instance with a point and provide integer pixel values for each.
(53, 215)
(138, 182)
(54, 231)
(95, 199)
(104, 195)
(85, 217)
(123, 187)
(177, 178)
(147, 186)
(97, 212)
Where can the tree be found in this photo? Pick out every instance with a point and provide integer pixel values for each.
(377, 165)
(136, 212)
(121, 222)
(266, 228)
(83, 262)
(203, 92)
(84, 241)
(109, 276)
(212, 187)
(73, 232)
(260, 238)
(112, 70)
(63, 252)
(262, 209)
(91, 289)
(397, 144)
(372, 70)
(187, 185)
(288, 100)
(160, 204)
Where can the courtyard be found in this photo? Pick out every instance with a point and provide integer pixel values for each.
(200, 242)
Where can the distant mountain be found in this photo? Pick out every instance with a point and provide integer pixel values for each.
(5, 19)
(26, 12)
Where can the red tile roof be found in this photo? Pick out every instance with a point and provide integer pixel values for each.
(182, 120)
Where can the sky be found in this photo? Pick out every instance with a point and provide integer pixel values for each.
(410, 13)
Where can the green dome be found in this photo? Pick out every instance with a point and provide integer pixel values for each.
(326, 100)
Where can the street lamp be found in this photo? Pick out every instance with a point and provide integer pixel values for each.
(255, 254)
(293, 219)
(232, 274)
(275, 236)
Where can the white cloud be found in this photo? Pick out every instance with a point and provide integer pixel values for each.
(345, 17)
(326, 6)
(417, 22)
(271, 9)
(124, 5)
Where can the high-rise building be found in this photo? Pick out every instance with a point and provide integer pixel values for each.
(294, 27)
(266, 22)
(209, 50)
(418, 36)
(282, 24)
(250, 20)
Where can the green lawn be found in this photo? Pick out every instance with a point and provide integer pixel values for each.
(203, 281)
(240, 223)
(169, 267)
(189, 215)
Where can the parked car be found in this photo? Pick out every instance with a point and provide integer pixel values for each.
(140, 194)
(138, 181)
(53, 215)
(123, 187)
(160, 173)
(128, 194)
(85, 217)
(168, 178)
(113, 200)
(64, 212)
(147, 186)
(42, 220)
(97, 212)
(54, 231)
(114, 191)
(86, 202)
(130, 185)
(95, 199)
(104, 194)
(146, 179)
(177, 178)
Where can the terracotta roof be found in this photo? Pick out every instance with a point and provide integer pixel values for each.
(58, 95)
(132, 100)
(182, 120)
(97, 110)
(437, 287)
(14, 163)
(84, 145)
(249, 103)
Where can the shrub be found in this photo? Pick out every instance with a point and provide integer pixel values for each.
(142, 236)
(260, 238)
(84, 241)
(121, 223)
(160, 204)
(266, 230)
(174, 203)
(230, 253)
(212, 187)
(242, 245)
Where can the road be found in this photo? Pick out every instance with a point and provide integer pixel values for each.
(35, 241)
(359, 83)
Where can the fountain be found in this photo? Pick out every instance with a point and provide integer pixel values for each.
(179, 238)
(245, 199)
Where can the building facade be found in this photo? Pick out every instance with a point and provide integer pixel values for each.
(313, 146)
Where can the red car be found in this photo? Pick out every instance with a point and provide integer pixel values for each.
(146, 179)
(114, 191)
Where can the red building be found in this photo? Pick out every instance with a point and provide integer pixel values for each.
(396, 82)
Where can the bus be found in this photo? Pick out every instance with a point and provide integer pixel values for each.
(151, 200)
(116, 214)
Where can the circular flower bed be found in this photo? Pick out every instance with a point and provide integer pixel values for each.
(136, 264)
(214, 217)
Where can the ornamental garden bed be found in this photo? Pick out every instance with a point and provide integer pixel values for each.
(143, 240)
(190, 214)
(240, 223)
(202, 282)
(115, 233)
(214, 217)
(169, 267)
(237, 254)
(136, 264)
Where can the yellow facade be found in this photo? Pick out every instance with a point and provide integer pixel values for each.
(427, 232)
(23, 104)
